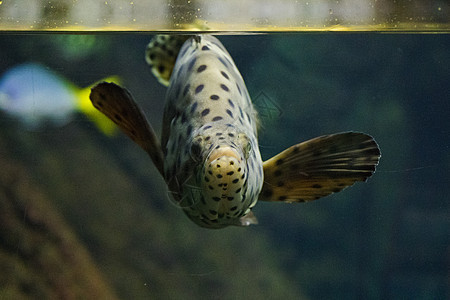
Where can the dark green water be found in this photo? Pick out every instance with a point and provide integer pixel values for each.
(388, 238)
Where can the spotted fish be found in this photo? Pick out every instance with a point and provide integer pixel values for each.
(209, 154)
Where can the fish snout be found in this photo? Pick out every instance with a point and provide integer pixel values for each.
(223, 151)
(224, 169)
(224, 161)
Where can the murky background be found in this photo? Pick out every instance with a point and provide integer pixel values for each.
(86, 214)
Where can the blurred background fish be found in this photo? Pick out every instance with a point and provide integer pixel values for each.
(36, 95)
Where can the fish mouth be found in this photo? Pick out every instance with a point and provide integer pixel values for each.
(224, 167)
(223, 151)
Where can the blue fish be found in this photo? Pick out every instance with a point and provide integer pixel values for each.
(34, 95)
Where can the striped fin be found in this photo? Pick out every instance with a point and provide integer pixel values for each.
(161, 55)
(118, 104)
(319, 167)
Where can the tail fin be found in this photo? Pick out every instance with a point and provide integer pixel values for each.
(161, 55)
(84, 105)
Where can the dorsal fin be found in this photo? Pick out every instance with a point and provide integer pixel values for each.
(319, 167)
(118, 104)
(161, 55)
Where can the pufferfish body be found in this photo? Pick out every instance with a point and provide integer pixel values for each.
(209, 154)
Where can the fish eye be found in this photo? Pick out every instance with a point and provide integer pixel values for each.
(245, 143)
(247, 150)
(196, 149)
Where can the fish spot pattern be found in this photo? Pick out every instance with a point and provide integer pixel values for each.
(224, 87)
(207, 105)
(199, 88)
(205, 112)
(224, 75)
(201, 68)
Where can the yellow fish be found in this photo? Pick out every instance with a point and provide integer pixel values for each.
(36, 95)
(209, 154)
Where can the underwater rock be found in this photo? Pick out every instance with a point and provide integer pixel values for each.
(40, 257)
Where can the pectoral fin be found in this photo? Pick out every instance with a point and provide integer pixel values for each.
(319, 167)
(117, 104)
